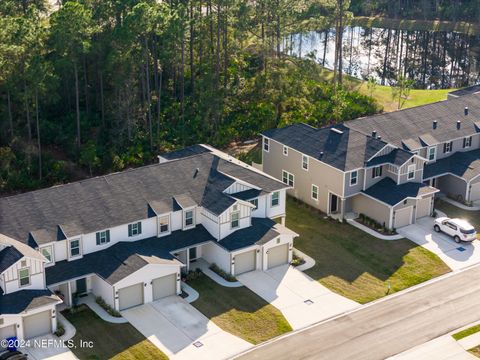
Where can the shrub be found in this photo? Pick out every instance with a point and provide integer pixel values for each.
(99, 300)
(214, 267)
(297, 261)
(194, 274)
(60, 330)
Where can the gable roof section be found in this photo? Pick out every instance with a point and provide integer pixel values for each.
(344, 149)
(404, 127)
(24, 300)
(9, 256)
(121, 198)
(396, 157)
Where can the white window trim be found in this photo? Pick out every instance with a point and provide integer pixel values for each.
(70, 248)
(469, 140)
(256, 205)
(266, 141)
(375, 176)
(238, 220)
(308, 162)
(288, 178)
(160, 233)
(409, 171)
(135, 226)
(448, 147)
(285, 150)
(434, 148)
(185, 226)
(271, 199)
(29, 277)
(356, 178)
(52, 254)
(313, 198)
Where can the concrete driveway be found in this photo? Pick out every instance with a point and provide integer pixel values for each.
(302, 300)
(456, 256)
(182, 332)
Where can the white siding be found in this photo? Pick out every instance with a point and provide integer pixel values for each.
(18, 319)
(210, 222)
(101, 288)
(37, 276)
(278, 210)
(213, 253)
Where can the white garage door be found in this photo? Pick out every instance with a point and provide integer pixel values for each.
(403, 217)
(475, 192)
(245, 262)
(164, 286)
(424, 207)
(277, 256)
(37, 325)
(130, 296)
(7, 332)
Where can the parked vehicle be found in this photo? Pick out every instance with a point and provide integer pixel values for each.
(460, 230)
(13, 355)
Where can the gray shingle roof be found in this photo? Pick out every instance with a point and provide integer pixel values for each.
(389, 192)
(261, 232)
(247, 194)
(343, 148)
(396, 157)
(121, 198)
(409, 124)
(24, 300)
(185, 152)
(9, 256)
(463, 164)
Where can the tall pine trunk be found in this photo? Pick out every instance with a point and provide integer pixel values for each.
(10, 117)
(77, 107)
(39, 143)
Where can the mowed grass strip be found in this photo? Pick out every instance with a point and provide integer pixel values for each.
(239, 311)
(110, 341)
(467, 332)
(355, 264)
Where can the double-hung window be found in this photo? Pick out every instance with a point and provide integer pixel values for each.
(235, 219)
(447, 147)
(304, 162)
(254, 202)
(432, 153)
(275, 199)
(287, 178)
(135, 229)
(164, 224)
(285, 150)
(188, 218)
(376, 172)
(467, 142)
(103, 237)
(353, 178)
(411, 171)
(266, 144)
(314, 192)
(24, 277)
(74, 248)
(47, 251)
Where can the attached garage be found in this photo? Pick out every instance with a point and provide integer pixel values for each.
(475, 192)
(164, 286)
(245, 262)
(7, 331)
(424, 207)
(37, 324)
(130, 296)
(277, 256)
(402, 217)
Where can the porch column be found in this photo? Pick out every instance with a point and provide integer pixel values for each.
(69, 295)
(342, 208)
(188, 259)
(283, 220)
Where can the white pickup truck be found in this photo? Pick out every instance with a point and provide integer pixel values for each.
(460, 230)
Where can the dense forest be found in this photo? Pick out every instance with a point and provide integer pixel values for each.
(97, 86)
(448, 10)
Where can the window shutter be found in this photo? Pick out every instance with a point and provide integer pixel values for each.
(381, 169)
(373, 173)
(139, 227)
(130, 230)
(108, 235)
(98, 238)
(445, 147)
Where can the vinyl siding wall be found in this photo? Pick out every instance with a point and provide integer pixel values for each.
(11, 282)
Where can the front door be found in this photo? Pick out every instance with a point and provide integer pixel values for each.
(333, 203)
(192, 252)
(82, 286)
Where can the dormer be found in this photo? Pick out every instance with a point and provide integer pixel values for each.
(187, 205)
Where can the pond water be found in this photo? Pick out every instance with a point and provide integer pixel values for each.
(433, 59)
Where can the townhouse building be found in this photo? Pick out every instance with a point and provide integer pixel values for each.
(127, 237)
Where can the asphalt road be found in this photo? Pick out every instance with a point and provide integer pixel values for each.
(387, 327)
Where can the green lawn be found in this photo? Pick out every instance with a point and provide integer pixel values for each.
(110, 341)
(355, 264)
(239, 311)
(454, 212)
(467, 332)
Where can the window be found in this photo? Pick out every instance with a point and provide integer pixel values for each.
(103, 237)
(467, 142)
(411, 172)
(74, 247)
(164, 224)
(234, 219)
(135, 229)
(288, 178)
(376, 172)
(353, 178)
(447, 147)
(188, 218)
(266, 144)
(275, 199)
(304, 162)
(285, 151)
(432, 153)
(48, 253)
(24, 276)
(254, 202)
(314, 192)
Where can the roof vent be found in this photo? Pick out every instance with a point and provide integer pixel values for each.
(337, 131)
(459, 124)
(379, 138)
(466, 110)
(197, 170)
(321, 153)
(374, 133)
(435, 124)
